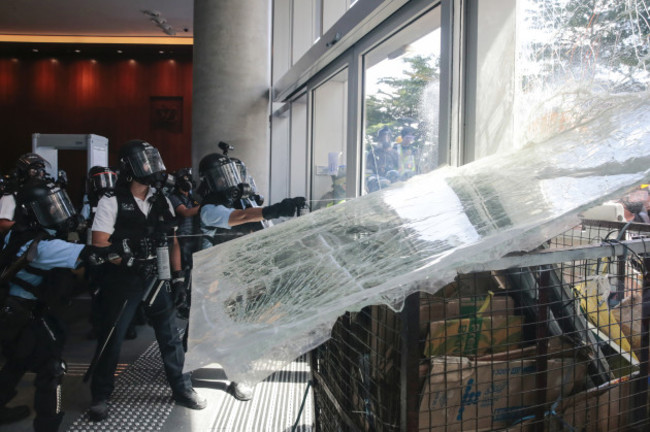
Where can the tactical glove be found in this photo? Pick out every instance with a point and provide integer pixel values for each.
(160, 206)
(95, 255)
(287, 208)
(300, 203)
(179, 295)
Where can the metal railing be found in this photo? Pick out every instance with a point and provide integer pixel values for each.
(547, 341)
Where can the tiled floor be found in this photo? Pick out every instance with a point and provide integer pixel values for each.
(142, 399)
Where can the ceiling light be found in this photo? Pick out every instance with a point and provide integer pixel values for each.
(77, 51)
(119, 51)
(34, 49)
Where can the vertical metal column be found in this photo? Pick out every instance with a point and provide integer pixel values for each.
(410, 363)
(640, 387)
(541, 379)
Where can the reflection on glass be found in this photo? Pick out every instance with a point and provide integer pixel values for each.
(328, 179)
(401, 105)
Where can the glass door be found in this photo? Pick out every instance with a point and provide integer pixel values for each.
(329, 140)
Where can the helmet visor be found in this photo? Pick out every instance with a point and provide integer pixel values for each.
(104, 180)
(146, 162)
(223, 176)
(241, 168)
(53, 209)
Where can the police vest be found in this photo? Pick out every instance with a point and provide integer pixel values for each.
(131, 223)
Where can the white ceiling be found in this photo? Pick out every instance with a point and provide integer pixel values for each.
(105, 18)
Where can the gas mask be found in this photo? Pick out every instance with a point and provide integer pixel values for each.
(225, 177)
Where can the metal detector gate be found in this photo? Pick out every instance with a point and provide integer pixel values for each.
(48, 146)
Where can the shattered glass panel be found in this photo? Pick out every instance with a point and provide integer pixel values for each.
(260, 301)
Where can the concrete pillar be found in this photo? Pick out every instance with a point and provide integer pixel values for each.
(231, 81)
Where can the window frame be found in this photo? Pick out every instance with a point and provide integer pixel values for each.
(300, 80)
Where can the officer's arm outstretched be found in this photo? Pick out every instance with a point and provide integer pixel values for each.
(286, 208)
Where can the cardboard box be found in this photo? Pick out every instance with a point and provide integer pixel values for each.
(473, 336)
(461, 394)
(602, 409)
(462, 308)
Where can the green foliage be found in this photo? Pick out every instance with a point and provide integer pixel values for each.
(400, 105)
(590, 37)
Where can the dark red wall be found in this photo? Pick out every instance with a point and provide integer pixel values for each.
(105, 94)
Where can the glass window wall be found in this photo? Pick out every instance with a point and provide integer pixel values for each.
(401, 104)
(329, 140)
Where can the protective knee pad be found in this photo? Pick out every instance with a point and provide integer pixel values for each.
(47, 399)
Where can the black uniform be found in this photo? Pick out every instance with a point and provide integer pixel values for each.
(33, 338)
(128, 284)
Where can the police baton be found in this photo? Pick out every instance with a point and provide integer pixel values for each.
(98, 354)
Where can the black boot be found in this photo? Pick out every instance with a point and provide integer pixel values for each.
(13, 414)
(48, 424)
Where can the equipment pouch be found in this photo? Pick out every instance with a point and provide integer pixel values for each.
(14, 317)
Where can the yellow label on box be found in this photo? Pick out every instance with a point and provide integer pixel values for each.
(473, 336)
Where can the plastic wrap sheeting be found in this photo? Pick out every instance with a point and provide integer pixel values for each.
(260, 301)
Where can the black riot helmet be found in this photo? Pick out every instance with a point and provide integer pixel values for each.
(30, 165)
(223, 175)
(408, 136)
(101, 180)
(141, 161)
(42, 202)
(385, 137)
(184, 180)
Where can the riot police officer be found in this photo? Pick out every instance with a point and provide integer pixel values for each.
(140, 215)
(187, 212)
(382, 157)
(31, 335)
(28, 166)
(230, 209)
(101, 182)
(188, 232)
